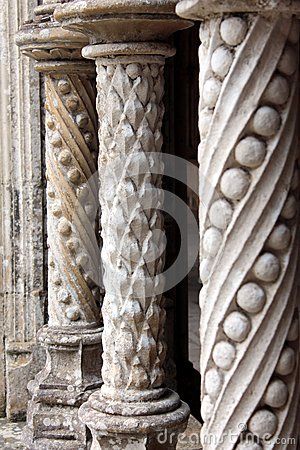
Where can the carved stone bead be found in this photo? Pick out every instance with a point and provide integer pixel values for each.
(64, 296)
(74, 176)
(64, 227)
(205, 269)
(50, 192)
(221, 61)
(280, 238)
(266, 121)
(251, 298)
(211, 92)
(57, 209)
(276, 394)
(88, 137)
(224, 355)
(56, 278)
(235, 183)
(236, 326)
(207, 408)
(290, 208)
(278, 91)
(233, 30)
(73, 313)
(286, 362)
(64, 87)
(65, 157)
(250, 152)
(205, 118)
(267, 268)
(288, 61)
(56, 140)
(220, 214)
(73, 245)
(212, 241)
(72, 103)
(50, 123)
(82, 120)
(213, 383)
(263, 424)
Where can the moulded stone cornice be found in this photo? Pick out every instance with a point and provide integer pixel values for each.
(45, 40)
(121, 21)
(201, 9)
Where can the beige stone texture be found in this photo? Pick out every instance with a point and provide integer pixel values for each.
(133, 407)
(248, 166)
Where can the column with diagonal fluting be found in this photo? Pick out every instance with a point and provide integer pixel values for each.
(248, 225)
(133, 409)
(72, 338)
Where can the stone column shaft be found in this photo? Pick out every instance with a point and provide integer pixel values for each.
(249, 174)
(133, 408)
(72, 338)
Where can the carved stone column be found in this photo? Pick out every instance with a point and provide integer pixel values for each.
(133, 409)
(72, 337)
(248, 222)
(22, 267)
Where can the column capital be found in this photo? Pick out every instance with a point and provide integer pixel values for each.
(54, 48)
(106, 21)
(202, 9)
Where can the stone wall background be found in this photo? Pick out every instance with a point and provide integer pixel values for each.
(22, 240)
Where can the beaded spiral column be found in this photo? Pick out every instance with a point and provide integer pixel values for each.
(248, 225)
(133, 409)
(72, 338)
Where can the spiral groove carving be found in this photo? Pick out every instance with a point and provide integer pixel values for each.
(248, 230)
(130, 112)
(71, 156)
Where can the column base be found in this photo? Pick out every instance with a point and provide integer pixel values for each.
(55, 428)
(152, 425)
(71, 374)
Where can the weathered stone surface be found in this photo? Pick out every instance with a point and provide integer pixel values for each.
(72, 337)
(195, 9)
(22, 288)
(248, 158)
(132, 406)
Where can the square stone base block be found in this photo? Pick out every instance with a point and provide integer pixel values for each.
(52, 427)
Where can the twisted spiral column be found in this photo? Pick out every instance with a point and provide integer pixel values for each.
(71, 155)
(249, 229)
(72, 337)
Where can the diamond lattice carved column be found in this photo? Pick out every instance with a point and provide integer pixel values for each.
(72, 337)
(133, 408)
(248, 222)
